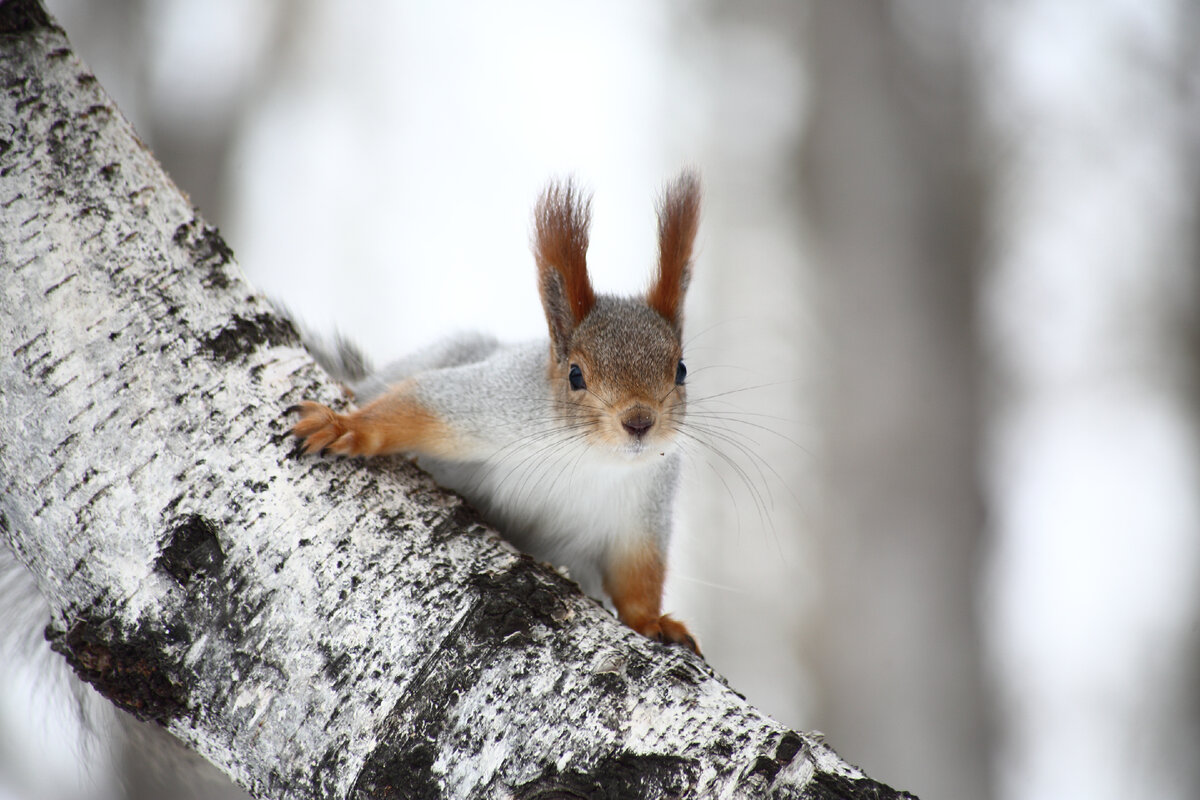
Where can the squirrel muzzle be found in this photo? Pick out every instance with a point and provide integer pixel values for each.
(638, 421)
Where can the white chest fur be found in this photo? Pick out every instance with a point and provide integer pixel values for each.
(565, 504)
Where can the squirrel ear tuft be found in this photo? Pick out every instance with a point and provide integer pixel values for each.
(561, 220)
(678, 219)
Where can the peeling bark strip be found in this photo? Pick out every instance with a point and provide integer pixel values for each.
(316, 629)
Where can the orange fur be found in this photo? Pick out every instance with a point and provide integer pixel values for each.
(678, 220)
(634, 581)
(393, 423)
(562, 218)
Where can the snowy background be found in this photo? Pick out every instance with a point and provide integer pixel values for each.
(945, 294)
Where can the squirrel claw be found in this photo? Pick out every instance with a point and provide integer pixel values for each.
(689, 642)
(668, 630)
(320, 428)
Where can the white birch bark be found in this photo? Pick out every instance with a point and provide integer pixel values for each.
(314, 628)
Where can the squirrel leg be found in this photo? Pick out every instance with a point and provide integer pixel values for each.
(393, 423)
(634, 581)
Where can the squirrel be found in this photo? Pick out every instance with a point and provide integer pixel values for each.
(568, 447)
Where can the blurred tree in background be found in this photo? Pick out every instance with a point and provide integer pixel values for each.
(892, 189)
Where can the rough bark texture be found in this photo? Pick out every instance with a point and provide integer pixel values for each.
(315, 628)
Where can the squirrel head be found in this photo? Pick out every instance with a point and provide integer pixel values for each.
(616, 366)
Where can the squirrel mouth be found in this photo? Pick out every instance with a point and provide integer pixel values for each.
(638, 448)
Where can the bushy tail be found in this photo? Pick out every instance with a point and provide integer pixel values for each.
(340, 357)
(47, 709)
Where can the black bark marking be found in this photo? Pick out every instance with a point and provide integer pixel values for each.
(689, 673)
(60, 284)
(338, 666)
(785, 751)
(789, 745)
(208, 250)
(95, 109)
(48, 370)
(22, 16)
(831, 786)
(244, 335)
(20, 351)
(127, 667)
(507, 608)
(329, 764)
(401, 765)
(192, 550)
(399, 773)
(462, 520)
(25, 101)
(70, 439)
(611, 683)
(514, 602)
(768, 768)
(615, 777)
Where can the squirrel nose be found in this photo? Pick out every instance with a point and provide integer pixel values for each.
(638, 421)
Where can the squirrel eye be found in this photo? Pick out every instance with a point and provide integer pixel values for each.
(680, 373)
(576, 378)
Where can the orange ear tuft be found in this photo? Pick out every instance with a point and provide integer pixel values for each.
(561, 219)
(678, 219)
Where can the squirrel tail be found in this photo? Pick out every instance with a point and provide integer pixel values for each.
(341, 358)
(338, 356)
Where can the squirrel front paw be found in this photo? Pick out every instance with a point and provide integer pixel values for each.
(322, 429)
(667, 630)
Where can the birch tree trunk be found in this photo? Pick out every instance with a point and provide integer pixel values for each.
(314, 628)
